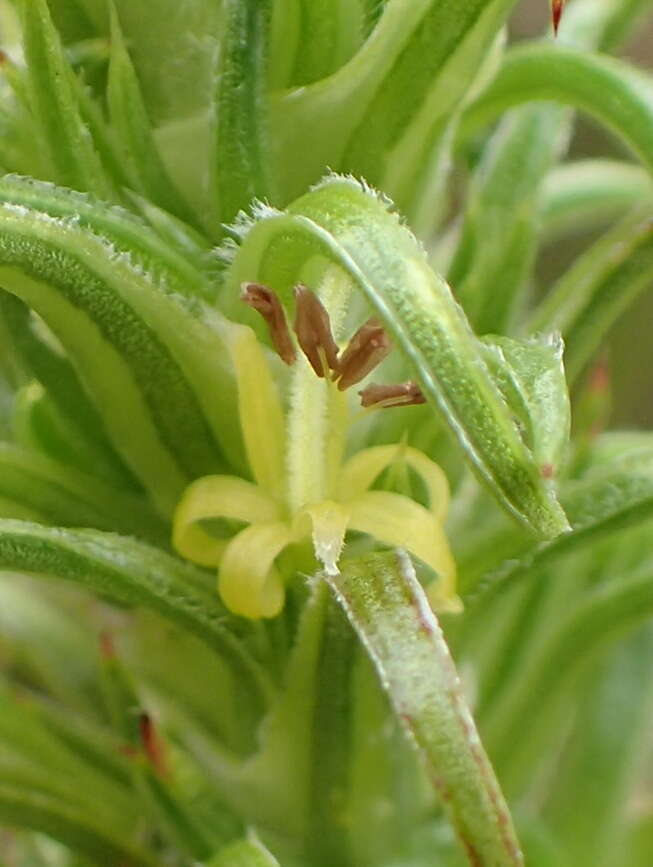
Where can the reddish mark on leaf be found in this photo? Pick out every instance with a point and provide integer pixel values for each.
(150, 742)
(107, 648)
(546, 471)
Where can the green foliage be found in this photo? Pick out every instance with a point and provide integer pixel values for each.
(405, 163)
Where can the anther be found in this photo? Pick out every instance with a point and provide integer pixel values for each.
(266, 302)
(366, 349)
(150, 742)
(313, 330)
(385, 396)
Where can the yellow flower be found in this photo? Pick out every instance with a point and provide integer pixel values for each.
(303, 488)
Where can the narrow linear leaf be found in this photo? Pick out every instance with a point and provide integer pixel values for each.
(54, 102)
(62, 495)
(131, 573)
(575, 78)
(126, 232)
(585, 194)
(134, 132)
(240, 151)
(589, 628)
(498, 237)
(342, 223)
(388, 609)
(49, 816)
(150, 365)
(244, 853)
(598, 288)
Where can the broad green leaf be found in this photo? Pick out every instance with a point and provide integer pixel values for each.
(598, 288)
(576, 78)
(311, 39)
(133, 129)
(55, 104)
(585, 194)
(150, 366)
(388, 609)
(382, 114)
(342, 223)
(240, 170)
(131, 573)
(244, 853)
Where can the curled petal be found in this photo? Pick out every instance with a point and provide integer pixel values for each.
(360, 471)
(259, 408)
(211, 498)
(402, 523)
(328, 526)
(247, 580)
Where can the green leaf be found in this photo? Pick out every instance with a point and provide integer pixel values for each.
(598, 288)
(244, 853)
(55, 104)
(49, 815)
(134, 133)
(128, 572)
(575, 78)
(150, 366)
(586, 194)
(171, 269)
(62, 495)
(240, 149)
(382, 114)
(342, 223)
(388, 609)
(531, 378)
(498, 237)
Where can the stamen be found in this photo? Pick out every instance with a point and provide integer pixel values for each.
(150, 742)
(366, 349)
(313, 330)
(266, 302)
(556, 13)
(385, 396)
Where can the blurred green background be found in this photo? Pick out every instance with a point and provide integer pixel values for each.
(630, 348)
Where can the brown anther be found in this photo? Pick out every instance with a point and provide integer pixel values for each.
(150, 742)
(556, 13)
(267, 303)
(385, 396)
(313, 330)
(366, 349)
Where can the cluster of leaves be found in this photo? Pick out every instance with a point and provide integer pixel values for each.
(142, 722)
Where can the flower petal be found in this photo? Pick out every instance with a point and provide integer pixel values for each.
(247, 580)
(329, 523)
(401, 522)
(216, 497)
(259, 407)
(360, 471)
